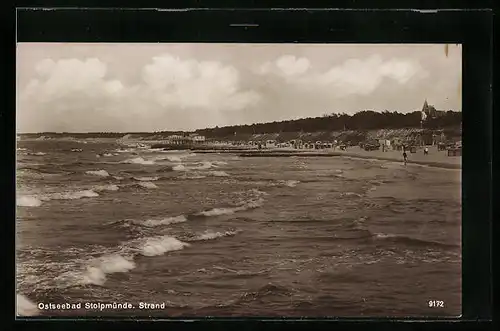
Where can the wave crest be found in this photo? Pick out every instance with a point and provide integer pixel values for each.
(165, 221)
(28, 201)
(108, 264)
(139, 160)
(160, 245)
(110, 187)
(231, 210)
(102, 173)
(210, 235)
(25, 307)
(147, 185)
(219, 173)
(146, 179)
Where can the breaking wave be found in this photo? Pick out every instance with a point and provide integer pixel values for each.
(37, 200)
(139, 160)
(25, 307)
(28, 201)
(351, 194)
(174, 158)
(146, 179)
(97, 270)
(231, 210)
(210, 235)
(219, 173)
(165, 221)
(409, 241)
(102, 173)
(127, 150)
(147, 185)
(160, 245)
(179, 167)
(71, 195)
(289, 183)
(110, 187)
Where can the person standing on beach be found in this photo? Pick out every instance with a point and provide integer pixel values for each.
(426, 151)
(405, 156)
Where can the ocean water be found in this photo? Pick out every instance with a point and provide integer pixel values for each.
(102, 221)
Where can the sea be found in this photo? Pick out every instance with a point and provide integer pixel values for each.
(114, 226)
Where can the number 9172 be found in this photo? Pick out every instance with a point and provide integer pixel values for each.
(436, 304)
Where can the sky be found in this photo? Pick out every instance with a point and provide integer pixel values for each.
(76, 87)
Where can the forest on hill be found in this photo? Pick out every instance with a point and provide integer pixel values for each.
(362, 121)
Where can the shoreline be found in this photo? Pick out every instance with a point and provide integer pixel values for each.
(432, 160)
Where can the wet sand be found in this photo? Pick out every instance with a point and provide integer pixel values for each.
(435, 158)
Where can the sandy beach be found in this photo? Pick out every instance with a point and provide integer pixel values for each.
(435, 158)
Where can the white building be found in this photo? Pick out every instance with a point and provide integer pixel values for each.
(198, 139)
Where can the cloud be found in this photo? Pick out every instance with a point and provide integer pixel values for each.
(80, 95)
(286, 65)
(125, 87)
(190, 84)
(350, 78)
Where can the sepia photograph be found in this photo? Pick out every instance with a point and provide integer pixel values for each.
(238, 180)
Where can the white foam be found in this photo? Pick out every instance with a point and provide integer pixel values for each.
(291, 183)
(146, 179)
(210, 235)
(174, 158)
(22, 149)
(115, 263)
(384, 235)
(25, 307)
(102, 173)
(38, 153)
(108, 264)
(219, 173)
(256, 191)
(147, 185)
(218, 211)
(71, 195)
(139, 160)
(165, 221)
(107, 154)
(28, 201)
(110, 187)
(179, 167)
(219, 163)
(117, 177)
(228, 211)
(194, 177)
(160, 245)
(351, 194)
(127, 150)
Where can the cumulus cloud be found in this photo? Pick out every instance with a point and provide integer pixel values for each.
(352, 77)
(191, 84)
(74, 94)
(286, 65)
(150, 87)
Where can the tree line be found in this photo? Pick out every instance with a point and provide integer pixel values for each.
(364, 120)
(361, 121)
